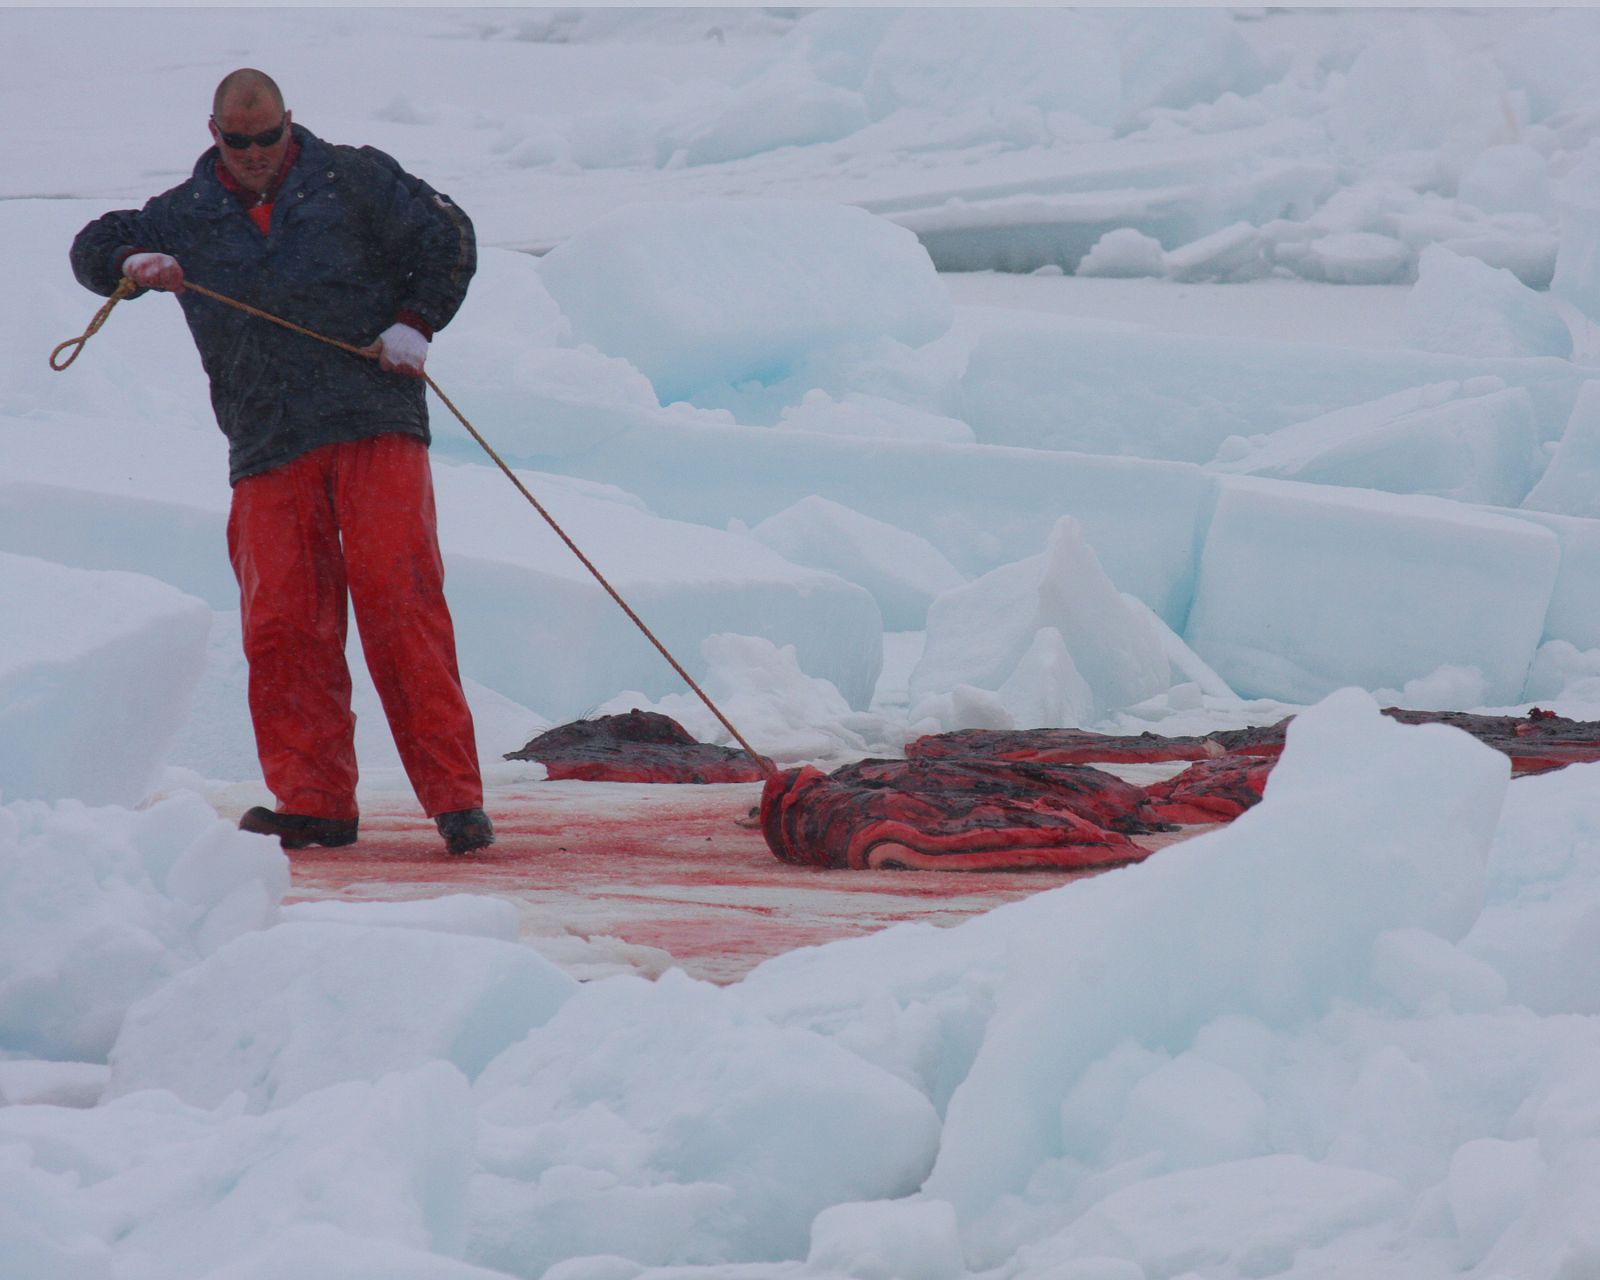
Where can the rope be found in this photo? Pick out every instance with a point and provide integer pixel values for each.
(127, 287)
(124, 289)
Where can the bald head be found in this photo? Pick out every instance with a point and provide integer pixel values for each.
(251, 128)
(246, 88)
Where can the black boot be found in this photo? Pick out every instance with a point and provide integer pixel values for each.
(298, 830)
(465, 830)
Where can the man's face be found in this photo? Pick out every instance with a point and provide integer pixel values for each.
(254, 167)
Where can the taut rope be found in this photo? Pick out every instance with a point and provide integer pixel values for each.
(127, 287)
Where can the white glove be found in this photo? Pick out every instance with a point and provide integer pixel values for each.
(401, 349)
(154, 271)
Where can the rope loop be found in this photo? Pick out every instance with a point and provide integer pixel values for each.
(125, 289)
(768, 769)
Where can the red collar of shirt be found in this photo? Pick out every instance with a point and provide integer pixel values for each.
(250, 198)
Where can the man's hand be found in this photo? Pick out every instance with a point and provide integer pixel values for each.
(401, 349)
(154, 271)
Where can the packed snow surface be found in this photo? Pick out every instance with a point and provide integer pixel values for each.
(1287, 403)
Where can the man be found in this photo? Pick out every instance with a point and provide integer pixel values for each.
(327, 451)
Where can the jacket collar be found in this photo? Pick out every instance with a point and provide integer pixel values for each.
(249, 198)
(314, 164)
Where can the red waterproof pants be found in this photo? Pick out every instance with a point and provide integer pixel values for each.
(354, 518)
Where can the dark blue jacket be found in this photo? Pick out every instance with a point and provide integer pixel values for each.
(354, 241)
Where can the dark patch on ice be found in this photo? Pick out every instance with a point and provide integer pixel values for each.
(639, 746)
(992, 800)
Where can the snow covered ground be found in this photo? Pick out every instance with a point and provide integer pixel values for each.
(1284, 403)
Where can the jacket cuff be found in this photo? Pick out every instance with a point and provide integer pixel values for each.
(416, 322)
(119, 258)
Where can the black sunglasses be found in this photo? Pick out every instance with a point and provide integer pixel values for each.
(243, 141)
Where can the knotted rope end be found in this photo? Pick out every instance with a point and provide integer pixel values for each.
(125, 288)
